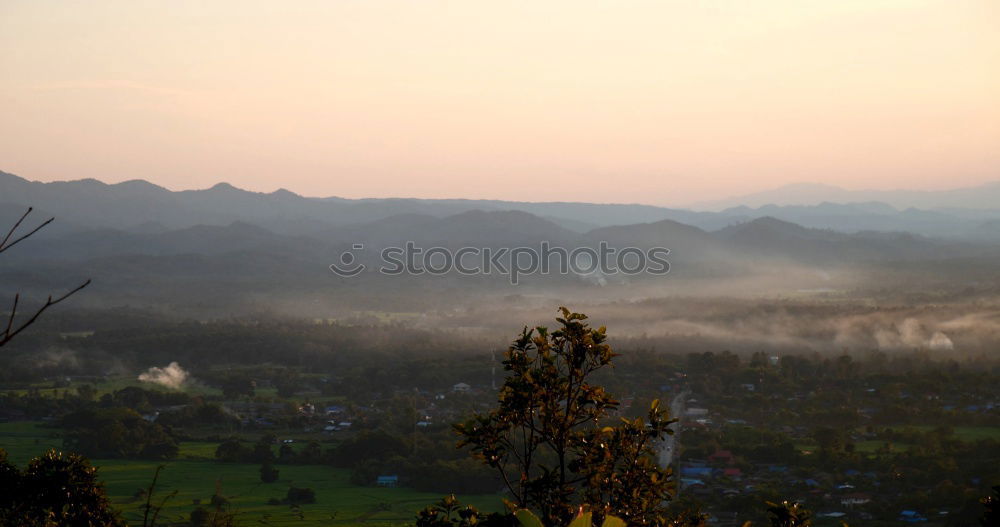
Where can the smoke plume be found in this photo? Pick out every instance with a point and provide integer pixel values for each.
(172, 376)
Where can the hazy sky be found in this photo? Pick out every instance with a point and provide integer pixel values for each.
(662, 102)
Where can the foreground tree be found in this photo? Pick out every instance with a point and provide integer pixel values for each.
(788, 514)
(550, 438)
(991, 517)
(55, 489)
(449, 512)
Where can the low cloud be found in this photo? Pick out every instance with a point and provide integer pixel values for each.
(910, 334)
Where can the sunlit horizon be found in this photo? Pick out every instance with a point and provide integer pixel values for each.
(662, 103)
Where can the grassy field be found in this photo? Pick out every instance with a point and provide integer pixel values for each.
(962, 433)
(195, 476)
(108, 385)
(971, 433)
(338, 501)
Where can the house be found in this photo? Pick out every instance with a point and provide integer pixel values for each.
(909, 516)
(461, 388)
(696, 472)
(9, 414)
(389, 481)
(733, 473)
(851, 500)
(722, 456)
(335, 409)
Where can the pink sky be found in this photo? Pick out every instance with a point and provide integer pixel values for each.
(652, 101)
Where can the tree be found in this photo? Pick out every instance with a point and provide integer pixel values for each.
(262, 453)
(117, 433)
(286, 454)
(300, 496)
(54, 489)
(369, 444)
(787, 514)
(549, 437)
(991, 517)
(449, 512)
(219, 515)
(199, 517)
(311, 453)
(238, 386)
(12, 330)
(233, 451)
(268, 474)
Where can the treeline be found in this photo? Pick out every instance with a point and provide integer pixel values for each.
(426, 462)
(117, 433)
(121, 424)
(307, 345)
(185, 409)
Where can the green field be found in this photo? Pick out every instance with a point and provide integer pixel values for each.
(962, 433)
(970, 433)
(107, 386)
(338, 502)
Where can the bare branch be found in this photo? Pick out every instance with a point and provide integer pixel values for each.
(13, 310)
(4, 245)
(16, 225)
(9, 334)
(10, 331)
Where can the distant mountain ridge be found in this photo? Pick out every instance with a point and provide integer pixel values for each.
(985, 196)
(210, 250)
(139, 206)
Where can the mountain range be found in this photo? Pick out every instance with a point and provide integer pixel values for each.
(985, 196)
(224, 249)
(142, 207)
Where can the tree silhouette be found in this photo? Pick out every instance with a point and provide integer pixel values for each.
(788, 514)
(54, 489)
(991, 517)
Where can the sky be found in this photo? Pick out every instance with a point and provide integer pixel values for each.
(664, 102)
